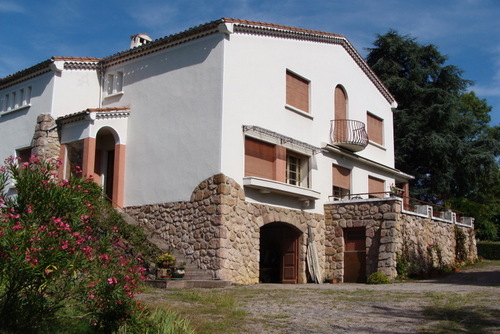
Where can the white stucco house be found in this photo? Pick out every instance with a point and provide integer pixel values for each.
(228, 139)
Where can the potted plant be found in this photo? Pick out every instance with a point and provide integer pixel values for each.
(329, 278)
(180, 271)
(166, 260)
(165, 263)
(395, 191)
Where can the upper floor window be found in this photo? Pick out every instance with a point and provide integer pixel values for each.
(296, 169)
(114, 83)
(297, 92)
(16, 99)
(275, 162)
(375, 128)
(376, 187)
(341, 182)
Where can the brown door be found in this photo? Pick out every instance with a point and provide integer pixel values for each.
(279, 254)
(355, 255)
(290, 260)
(110, 166)
(340, 115)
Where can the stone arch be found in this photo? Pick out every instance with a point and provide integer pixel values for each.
(279, 253)
(109, 164)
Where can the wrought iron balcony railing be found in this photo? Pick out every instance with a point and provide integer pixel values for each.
(348, 134)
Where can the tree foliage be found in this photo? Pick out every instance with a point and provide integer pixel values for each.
(441, 131)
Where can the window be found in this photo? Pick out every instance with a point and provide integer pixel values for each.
(15, 100)
(375, 127)
(297, 92)
(341, 181)
(275, 162)
(297, 168)
(24, 154)
(376, 187)
(114, 83)
(259, 159)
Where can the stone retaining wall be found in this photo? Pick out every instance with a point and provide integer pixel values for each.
(220, 231)
(389, 233)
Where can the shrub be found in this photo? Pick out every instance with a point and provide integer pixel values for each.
(378, 278)
(489, 250)
(57, 258)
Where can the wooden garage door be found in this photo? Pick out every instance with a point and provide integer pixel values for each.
(355, 255)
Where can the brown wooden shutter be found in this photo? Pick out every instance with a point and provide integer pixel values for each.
(375, 129)
(341, 177)
(376, 187)
(259, 159)
(297, 91)
(340, 104)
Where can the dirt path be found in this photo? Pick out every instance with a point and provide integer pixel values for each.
(467, 301)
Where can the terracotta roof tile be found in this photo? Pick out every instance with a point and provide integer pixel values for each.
(278, 26)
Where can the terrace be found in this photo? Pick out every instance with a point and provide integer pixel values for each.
(412, 206)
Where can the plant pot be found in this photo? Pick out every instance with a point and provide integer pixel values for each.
(164, 273)
(178, 273)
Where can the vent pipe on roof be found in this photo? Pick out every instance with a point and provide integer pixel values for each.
(139, 40)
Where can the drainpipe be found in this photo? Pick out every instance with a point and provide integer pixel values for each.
(101, 83)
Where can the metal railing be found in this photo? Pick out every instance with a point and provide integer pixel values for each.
(348, 133)
(416, 206)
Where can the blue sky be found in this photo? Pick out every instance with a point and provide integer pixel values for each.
(467, 31)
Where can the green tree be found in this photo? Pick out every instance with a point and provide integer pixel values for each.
(441, 131)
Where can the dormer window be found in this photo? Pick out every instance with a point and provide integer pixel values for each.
(114, 83)
(16, 100)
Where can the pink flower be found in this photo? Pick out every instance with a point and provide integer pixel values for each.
(112, 280)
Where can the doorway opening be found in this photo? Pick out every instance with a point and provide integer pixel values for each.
(105, 161)
(279, 253)
(355, 255)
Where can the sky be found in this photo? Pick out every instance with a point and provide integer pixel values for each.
(466, 31)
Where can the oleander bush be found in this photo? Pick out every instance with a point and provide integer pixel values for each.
(60, 260)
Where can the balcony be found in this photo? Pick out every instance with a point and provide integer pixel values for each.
(348, 134)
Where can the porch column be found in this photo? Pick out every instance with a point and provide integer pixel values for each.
(89, 145)
(61, 173)
(119, 175)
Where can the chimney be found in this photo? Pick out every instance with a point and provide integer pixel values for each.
(139, 39)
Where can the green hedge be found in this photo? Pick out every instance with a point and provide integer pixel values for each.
(489, 250)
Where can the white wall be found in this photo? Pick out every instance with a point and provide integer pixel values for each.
(254, 94)
(17, 127)
(76, 90)
(174, 128)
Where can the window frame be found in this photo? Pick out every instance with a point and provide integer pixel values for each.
(292, 102)
(370, 128)
(16, 99)
(113, 83)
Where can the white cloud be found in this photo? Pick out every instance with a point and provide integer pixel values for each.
(10, 7)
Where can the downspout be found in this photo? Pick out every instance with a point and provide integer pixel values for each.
(101, 83)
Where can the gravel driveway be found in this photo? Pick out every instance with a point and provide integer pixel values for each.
(465, 302)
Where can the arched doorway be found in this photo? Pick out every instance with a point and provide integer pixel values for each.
(105, 160)
(279, 253)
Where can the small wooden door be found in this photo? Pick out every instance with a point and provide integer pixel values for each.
(279, 254)
(290, 260)
(355, 255)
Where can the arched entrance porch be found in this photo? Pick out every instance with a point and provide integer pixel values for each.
(279, 253)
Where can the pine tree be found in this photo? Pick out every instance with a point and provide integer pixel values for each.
(441, 131)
